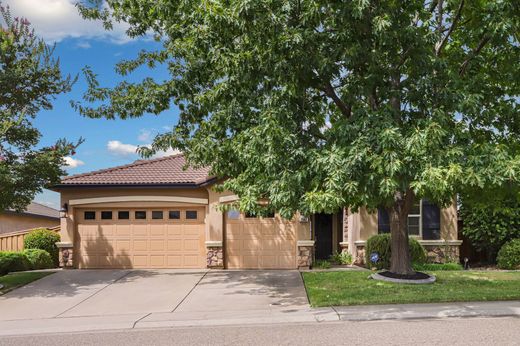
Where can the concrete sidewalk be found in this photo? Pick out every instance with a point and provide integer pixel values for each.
(276, 315)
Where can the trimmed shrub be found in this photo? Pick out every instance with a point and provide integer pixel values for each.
(12, 262)
(436, 266)
(343, 258)
(380, 244)
(322, 264)
(43, 239)
(509, 255)
(38, 259)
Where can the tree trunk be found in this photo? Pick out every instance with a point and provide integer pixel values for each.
(400, 261)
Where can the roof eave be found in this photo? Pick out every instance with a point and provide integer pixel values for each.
(205, 183)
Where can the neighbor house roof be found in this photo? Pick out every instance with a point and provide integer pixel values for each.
(38, 209)
(169, 170)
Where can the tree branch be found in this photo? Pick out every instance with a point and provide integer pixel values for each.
(441, 45)
(330, 92)
(464, 66)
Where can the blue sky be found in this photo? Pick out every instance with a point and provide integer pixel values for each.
(80, 43)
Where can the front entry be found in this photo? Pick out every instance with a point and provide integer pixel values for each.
(323, 235)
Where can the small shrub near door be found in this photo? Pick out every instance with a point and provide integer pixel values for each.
(13, 262)
(380, 244)
(509, 255)
(43, 239)
(343, 258)
(38, 259)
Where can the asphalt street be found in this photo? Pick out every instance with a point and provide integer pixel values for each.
(448, 331)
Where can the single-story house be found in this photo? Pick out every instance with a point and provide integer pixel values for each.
(34, 216)
(155, 214)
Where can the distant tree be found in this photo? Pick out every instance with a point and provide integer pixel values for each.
(316, 105)
(491, 222)
(29, 80)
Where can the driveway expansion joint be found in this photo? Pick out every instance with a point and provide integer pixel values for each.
(93, 294)
(140, 319)
(191, 290)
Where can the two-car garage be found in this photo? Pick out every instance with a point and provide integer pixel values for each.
(163, 213)
(140, 238)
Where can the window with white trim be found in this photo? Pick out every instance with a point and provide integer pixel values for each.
(423, 220)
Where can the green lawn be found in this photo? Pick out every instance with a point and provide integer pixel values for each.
(15, 280)
(353, 288)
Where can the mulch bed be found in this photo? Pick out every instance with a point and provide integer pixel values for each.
(416, 276)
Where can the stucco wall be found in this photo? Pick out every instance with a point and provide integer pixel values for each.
(367, 223)
(67, 224)
(10, 222)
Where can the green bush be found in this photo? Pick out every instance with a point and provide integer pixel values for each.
(489, 223)
(380, 244)
(43, 239)
(38, 259)
(322, 264)
(344, 258)
(13, 262)
(509, 255)
(436, 266)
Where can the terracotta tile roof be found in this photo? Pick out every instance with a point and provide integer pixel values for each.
(39, 210)
(167, 170)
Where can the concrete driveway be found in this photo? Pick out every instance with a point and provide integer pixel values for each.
(81, 293)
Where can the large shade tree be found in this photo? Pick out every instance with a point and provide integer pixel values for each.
(30, 78)
(316, 105)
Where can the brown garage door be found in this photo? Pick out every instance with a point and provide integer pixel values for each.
(260, 243)
(141, 238)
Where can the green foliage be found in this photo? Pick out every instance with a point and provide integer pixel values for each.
(317, 105)
(344, 258)
(43, 239)
(380, 244)
(322, 264)
(491, 221)
(436, 266)
(27, 66)
(509, 255)
(38, 259)
(13, 262)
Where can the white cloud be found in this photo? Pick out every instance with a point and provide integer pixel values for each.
(84, 45)
(72, 163)
(166, 153)
(120, 149)
(54, 20)
(144, 135)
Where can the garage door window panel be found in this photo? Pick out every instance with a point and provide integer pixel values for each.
(89, 215)
(157, 215)
(192, 215)
(174, 214)
(140, 215)
(106, 215)
(123, 215)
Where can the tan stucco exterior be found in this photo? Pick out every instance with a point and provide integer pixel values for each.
(287, 243)
(364, 224)
(205, 198)
(12, 222)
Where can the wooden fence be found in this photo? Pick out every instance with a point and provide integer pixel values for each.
(13, 241)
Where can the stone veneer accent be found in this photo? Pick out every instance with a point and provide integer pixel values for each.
(360, 255)
(65, 255)
(215, 257)
(435, 253)
(305, 256)
(442, 253)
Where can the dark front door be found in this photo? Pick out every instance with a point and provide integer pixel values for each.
(323, 235)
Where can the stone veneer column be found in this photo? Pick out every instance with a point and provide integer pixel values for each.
(343, 244)
(66, 254)
(215, 255)
(305, 254)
